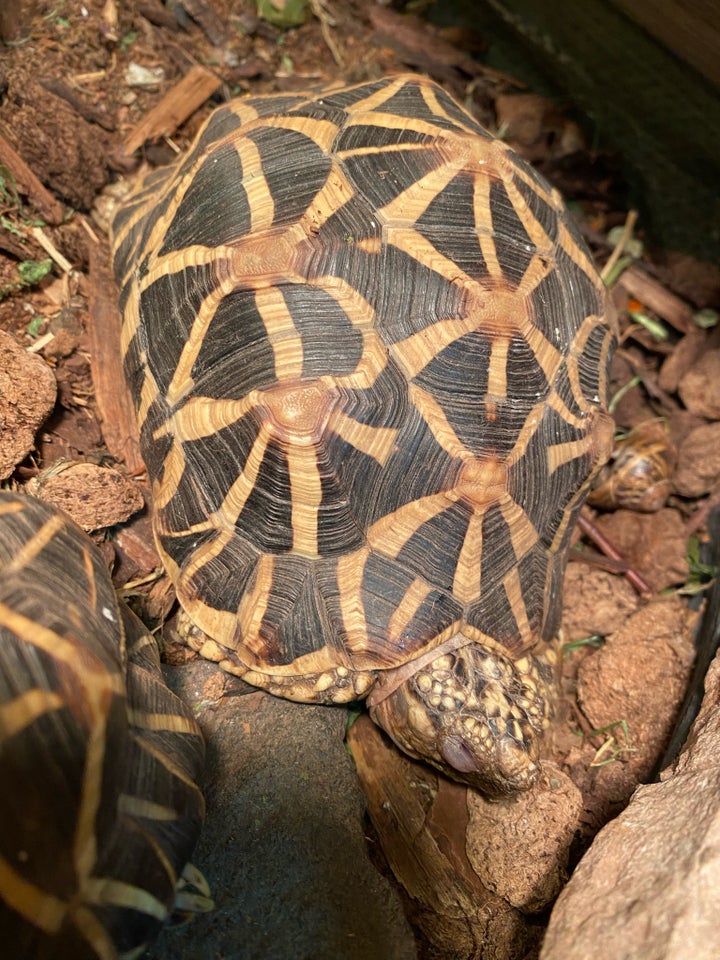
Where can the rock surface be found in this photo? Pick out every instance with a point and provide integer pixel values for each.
(283, 847)
(650, 884)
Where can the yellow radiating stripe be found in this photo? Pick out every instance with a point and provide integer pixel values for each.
(514, 593)
(416, 351)
(94, 676)
(589, 325)
(182, 382)
(334, 194)
(556, 403)
(42, 909)
(26, 708)
(434, 415)
(220, 258)
(466, 582)
(483, 219)
(172, 722)
(385, 148)
(172, 474)
(429, 95)
(421, 249)
(130, 321)
(254, 604)
(204, 416)
(350, 569)
(497, 368)
(36, 544)
(261, 205)
(148, 393)
(226, 516)
(414, 597)
(322, 132)
(544, 352)
(12, 506)
(85, 839)
(90, 577)
(371, 364)
(562, 453)
(92, 930)
(357, 309)
(147, 809)
(532, 225)
(200, 557)
(105, 891)
(391, 121)
(373, 100)
(578, 255)
(375, 442)
(306, 497)
(390, 534)
(167, 763)
(550, 196)
(282, 333)
(407, 207)
(523, 534)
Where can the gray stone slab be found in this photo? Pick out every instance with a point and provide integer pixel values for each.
(283, 848)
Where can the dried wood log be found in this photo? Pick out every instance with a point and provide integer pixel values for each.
(649, 291)
(174, 108)
(87, 111)
(115, 407)
(50, 209)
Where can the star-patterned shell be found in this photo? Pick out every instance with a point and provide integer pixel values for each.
(369, 353)
(100, 809)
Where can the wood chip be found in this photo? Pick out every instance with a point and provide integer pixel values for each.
(112, 396)
(174, 108)
(50, 209)
(208, 21)
(650, 292)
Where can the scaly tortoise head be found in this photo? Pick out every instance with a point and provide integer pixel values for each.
(98, 759)
(369, 352)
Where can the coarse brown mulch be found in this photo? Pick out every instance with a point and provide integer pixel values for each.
(92, 93)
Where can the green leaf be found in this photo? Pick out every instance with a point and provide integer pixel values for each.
(706, 319)
(33, 271)
(35, 326)
(283, 13)
(654, 327)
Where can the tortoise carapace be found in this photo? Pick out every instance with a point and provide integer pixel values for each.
(369, 353)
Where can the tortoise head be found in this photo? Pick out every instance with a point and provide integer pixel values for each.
(475, 713)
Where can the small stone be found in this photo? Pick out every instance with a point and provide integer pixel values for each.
(27, 396)
(698, 468)
(93, 496)
(699, 388)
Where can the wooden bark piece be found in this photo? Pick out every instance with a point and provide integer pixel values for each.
(28, 184)
(422, 823)
(658, 298)
(174, 108)
(112, 396)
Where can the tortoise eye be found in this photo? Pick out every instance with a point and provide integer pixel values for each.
(458, 755)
